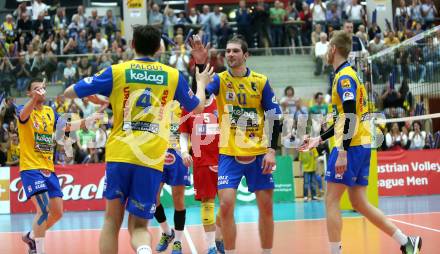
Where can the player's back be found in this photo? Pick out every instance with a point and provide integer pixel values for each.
(347, 86)
(141, 92)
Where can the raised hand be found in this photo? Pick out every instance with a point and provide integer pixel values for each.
(205, 76)
(198, 50)
(40, 93)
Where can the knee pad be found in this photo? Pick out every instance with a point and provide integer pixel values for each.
(207, 213)
(179, 219)
(43, 203)
(159, 214)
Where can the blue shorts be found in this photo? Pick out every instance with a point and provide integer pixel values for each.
(36, 181)
(175, 173)
(136, 186)
(230, 172)
(358, 166)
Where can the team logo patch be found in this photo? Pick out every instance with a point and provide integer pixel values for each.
(230, 96)
(170, 159)
(88, 80)
(229, 85)
(345, 83)
(254, 86)
(29, 188)
(348, 96)
(153, 209)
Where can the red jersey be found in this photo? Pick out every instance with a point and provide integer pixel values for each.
(204, 134)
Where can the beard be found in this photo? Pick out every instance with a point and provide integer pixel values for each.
(234, 63)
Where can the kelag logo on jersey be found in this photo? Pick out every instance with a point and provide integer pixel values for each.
(43, 142)
(146, 77)
(43, 138)
(249, 114)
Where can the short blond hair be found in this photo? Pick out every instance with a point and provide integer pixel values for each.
(343, 42)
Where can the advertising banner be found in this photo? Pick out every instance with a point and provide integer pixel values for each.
(4, 191)
(83, 188)
(409, 172)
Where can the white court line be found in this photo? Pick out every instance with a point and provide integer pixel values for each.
(415, 225)
(191, 245)
(245, 222)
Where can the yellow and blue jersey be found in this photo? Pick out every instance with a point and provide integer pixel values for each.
(347, 86)
(242, 103)
(36, 139)
(140, 92)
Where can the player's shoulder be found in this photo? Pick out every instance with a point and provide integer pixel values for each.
(347, 77)
(19, 108)
(258, 77)
(347, 71)
(223, 74)
(47, 108)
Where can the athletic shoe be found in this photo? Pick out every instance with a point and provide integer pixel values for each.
(177, 248)
(413, 245)
(165, 240)
(30, 242)
(220, 246)
(212, 250)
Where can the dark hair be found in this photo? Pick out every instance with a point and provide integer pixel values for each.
(33, 80)
(146, 39)
(287, 89)
(317, 95)
(239, 39)
(404, 88)
(417, 122)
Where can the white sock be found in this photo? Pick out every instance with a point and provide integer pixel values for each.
(179, 235)
(210, 239)
(218, 232)
(229, 251)
(400, 237)
(165, 228)
(335, 248)
(267, 251)
(31, 235)
(144, 249)
(39, 244)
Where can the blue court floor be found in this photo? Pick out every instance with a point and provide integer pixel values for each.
(243, 214)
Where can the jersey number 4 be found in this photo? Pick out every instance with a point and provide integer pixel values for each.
(144, 101)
